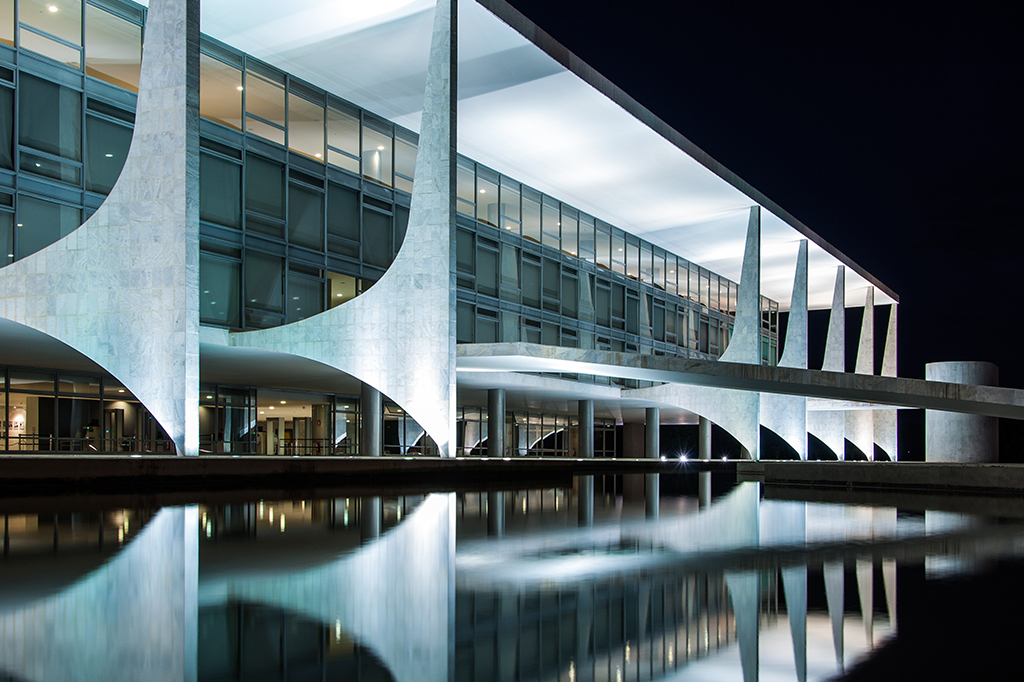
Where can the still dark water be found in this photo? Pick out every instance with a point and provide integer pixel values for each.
(510, 586)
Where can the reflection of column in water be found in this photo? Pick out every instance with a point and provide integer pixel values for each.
(652, 450)
(866, 588)
(834, 577)
(370, 512)
(496, 513)
(585, 497)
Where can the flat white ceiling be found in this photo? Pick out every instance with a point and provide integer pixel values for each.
(524, 114)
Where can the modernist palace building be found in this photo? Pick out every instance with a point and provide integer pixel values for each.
(387, 228)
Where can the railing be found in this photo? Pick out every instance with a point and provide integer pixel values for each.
(58, 444)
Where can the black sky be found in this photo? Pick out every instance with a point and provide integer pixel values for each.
(893, 130)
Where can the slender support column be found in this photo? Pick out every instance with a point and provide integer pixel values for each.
(866, 344)
(885, 420)
(835, 343)
(371, 408)
(585, 495)
(496, 513)
(496, 422)
(745, 344)
(586, 415)
(704, 477)
(652, 450)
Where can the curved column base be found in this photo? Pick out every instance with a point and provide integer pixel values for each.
(786, 415)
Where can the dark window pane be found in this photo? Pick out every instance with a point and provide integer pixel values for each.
(569, 293)
(41, 223)
(219, 282)
(487, 272)
(306, 297)
(603, 303)
(401, 225)
(6, 238)
(264, 281)
(42, 165)
(50, 117)
(464, 322)
(272, 228)
(377, 238)
(486, 329)
(106, 148)
(551, 278)
(342, 212)
(531, 284)
(305, 217)
(264, 187)
(465, 258)
(220, 191)
(6, 128)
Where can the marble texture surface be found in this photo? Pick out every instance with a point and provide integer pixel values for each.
(133, 619)
(399, 336)
(745, 344)
(786, 415)
(122, 289)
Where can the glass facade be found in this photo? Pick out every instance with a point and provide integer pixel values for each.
(304, 203)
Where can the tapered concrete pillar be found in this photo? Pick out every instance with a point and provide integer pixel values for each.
(794, 582)
(652, 450)
(885, 420)
(835, 342)
(704, 449)
(586, 415)
(953, 437)
(496, 422)
(496, 513)
(371, 412)
(745, 593)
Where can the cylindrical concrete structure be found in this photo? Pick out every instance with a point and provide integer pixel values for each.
(371, 411)
(952, 437)
(652, 450)
(586, 414)
(496, 422)
(704, 438)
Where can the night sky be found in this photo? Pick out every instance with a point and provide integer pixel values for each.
(892, 130)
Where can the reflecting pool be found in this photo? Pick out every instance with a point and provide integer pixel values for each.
(579, 583)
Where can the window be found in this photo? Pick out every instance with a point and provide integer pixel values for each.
(6, 128)
(264, 194)
(377, 236)
(264, 104)
(264, 282)
(377, 156)
(342, 220)
(306, 297)
(106, 148)
(50, 117)
(6, 238)
(531, 215)
(220, 191)
(220, 92)
(550, 222)
(306, 127)
(487, 267)
(41, 223)
(305, 217)
(50, 19)
(219, 281)
(113, 48)
(487, 205)
(405, 165)
(343, 139)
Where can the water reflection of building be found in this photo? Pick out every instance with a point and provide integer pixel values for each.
(416, 589)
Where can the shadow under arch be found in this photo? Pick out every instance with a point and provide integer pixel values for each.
(244, 640)
(78, 420)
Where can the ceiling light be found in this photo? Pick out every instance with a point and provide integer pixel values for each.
(380, 148)
(20, 225)
(483, 191)
(109, 156)
(120, 390)
(284, 402)
(207, 291)
(295, 298)
(271, 407)
(239, 88)
(319, 156)
(38, 165)
(209, 397)
(262, 412)
(52, 8)
(340, 295)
